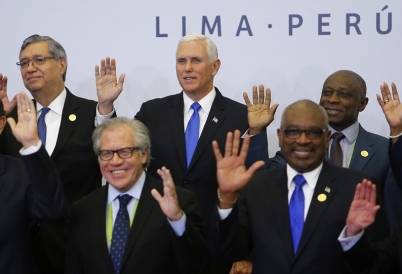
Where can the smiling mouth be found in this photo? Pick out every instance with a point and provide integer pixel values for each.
(118, 171)
(332, 111)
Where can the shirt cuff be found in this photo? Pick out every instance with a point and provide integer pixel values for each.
(31, 149)
(100, 118)
(179, 226)
(224, 213)
(348, 242)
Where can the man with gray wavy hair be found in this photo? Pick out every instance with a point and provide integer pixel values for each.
(141, 236)
(65, 124)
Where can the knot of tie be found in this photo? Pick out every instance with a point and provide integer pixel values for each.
(124, 199)
(299, 180)
(337, 136)
(196, 106)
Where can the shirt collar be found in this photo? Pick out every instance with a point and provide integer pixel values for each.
(206, 102)
(134, 191)
(350, 132)
(57, 104)
(311, 176)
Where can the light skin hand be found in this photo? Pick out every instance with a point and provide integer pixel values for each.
(107, 87)
(242, 267)
(169, 202)
(232, 173)
(392, 108)
(260, 114)
(363, 209)
(8, 105)
(26, 130)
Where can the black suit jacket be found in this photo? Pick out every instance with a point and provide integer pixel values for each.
(30, 189)
(260, 222)
(152, 246)
(164, 118)
(382, 258)
(74, 159)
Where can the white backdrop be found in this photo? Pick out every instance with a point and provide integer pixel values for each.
(254, 43)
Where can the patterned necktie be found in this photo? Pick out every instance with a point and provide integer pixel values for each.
(121, 230)
(335, 153)
(192, 132)
(42, 125)
(296, 210)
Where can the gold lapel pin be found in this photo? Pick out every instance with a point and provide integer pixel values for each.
(72, 117)
(322, 197)
(364, 153)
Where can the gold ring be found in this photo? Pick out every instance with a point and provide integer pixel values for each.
(385, 101)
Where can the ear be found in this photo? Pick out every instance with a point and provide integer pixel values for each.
(327, 138)
(216, 66)
(279, 132)
(144, 156)
(2, 123)
(363, 104)
(63, 65)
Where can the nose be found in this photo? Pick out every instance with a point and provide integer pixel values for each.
(333, 98)
(116, 160)
(189, 66)
(31, 66)
(303, 138)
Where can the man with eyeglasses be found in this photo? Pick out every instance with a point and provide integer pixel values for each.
(127, 226)
(289, 217)
(343, 96)
(65, 124)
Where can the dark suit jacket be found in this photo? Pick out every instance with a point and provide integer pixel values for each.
(395, 158)
(381, 258)
(376, 164)
(29, 189)
(75, 161)
(263, 212)
(164, 118)
(152, 246)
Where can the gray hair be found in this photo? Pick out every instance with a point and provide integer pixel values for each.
(141, 134)
(55, 48)
(211, 47)
(308, 104)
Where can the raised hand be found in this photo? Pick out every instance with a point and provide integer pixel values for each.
(107, 87)
(26, 130)
(232, 173)
(260, 113)
(7, 105)
(391, 105)
(363, 209)
(168, 202)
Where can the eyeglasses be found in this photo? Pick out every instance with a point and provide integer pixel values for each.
(313, 133)
(124, 153)
(37, 61)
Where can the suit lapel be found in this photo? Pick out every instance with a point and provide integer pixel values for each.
(363, 150)
(69, 119)
(326, 185)
(146, 205)
(176, 118)
(214, 120)
(278, 193)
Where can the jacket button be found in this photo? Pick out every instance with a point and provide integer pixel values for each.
(186, 183)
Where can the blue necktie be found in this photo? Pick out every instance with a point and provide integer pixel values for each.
(296, 210)
(192, 132)
(42, 125)
(121, 230)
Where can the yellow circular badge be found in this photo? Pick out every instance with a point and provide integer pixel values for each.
(364, 153)
(322, 197)
(72, 117)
